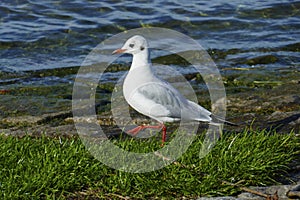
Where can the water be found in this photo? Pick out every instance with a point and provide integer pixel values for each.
(39, 35)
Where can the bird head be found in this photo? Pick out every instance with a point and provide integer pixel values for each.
(133, 45)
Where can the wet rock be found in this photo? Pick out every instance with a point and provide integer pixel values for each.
(38, 130)
(218, 198)
(171, 59)
(20, 121)
(294, 193)
(277, 107)
(266, 59)
(54, 117)
(29, 120)
(279, 191)
(60, 72)
(249, 196)
(292, 47)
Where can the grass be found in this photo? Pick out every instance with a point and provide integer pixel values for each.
(61, 168)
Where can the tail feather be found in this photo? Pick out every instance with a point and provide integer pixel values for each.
(216, 119)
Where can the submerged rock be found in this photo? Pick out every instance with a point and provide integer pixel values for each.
(266, 59)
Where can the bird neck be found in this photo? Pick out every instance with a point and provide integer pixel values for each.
(141, 59)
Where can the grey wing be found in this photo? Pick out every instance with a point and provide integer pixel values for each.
(159, 101)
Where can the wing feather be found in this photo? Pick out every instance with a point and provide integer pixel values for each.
(161, 101)
(156, 100)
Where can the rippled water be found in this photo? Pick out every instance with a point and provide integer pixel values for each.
(45, 34)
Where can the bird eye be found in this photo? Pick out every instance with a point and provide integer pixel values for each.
(131, 45)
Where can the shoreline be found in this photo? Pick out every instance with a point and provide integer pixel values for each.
(46, 110)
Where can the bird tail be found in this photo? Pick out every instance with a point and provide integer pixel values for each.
(217, 119)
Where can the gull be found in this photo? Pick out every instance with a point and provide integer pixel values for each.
(149, 95)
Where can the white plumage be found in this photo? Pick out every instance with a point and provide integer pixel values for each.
(152, 96)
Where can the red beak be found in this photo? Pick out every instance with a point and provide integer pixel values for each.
(118, 51)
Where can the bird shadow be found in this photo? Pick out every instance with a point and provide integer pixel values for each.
(280, 124)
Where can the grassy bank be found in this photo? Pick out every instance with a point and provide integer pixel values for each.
(33, 168)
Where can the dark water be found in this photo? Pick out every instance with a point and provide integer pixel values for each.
(44, 34)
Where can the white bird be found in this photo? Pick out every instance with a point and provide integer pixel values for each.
(151, 96)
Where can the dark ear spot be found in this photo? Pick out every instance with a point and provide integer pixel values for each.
(142, 48)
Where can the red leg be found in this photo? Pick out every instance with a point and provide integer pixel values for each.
(164, 134)
(136, 130)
